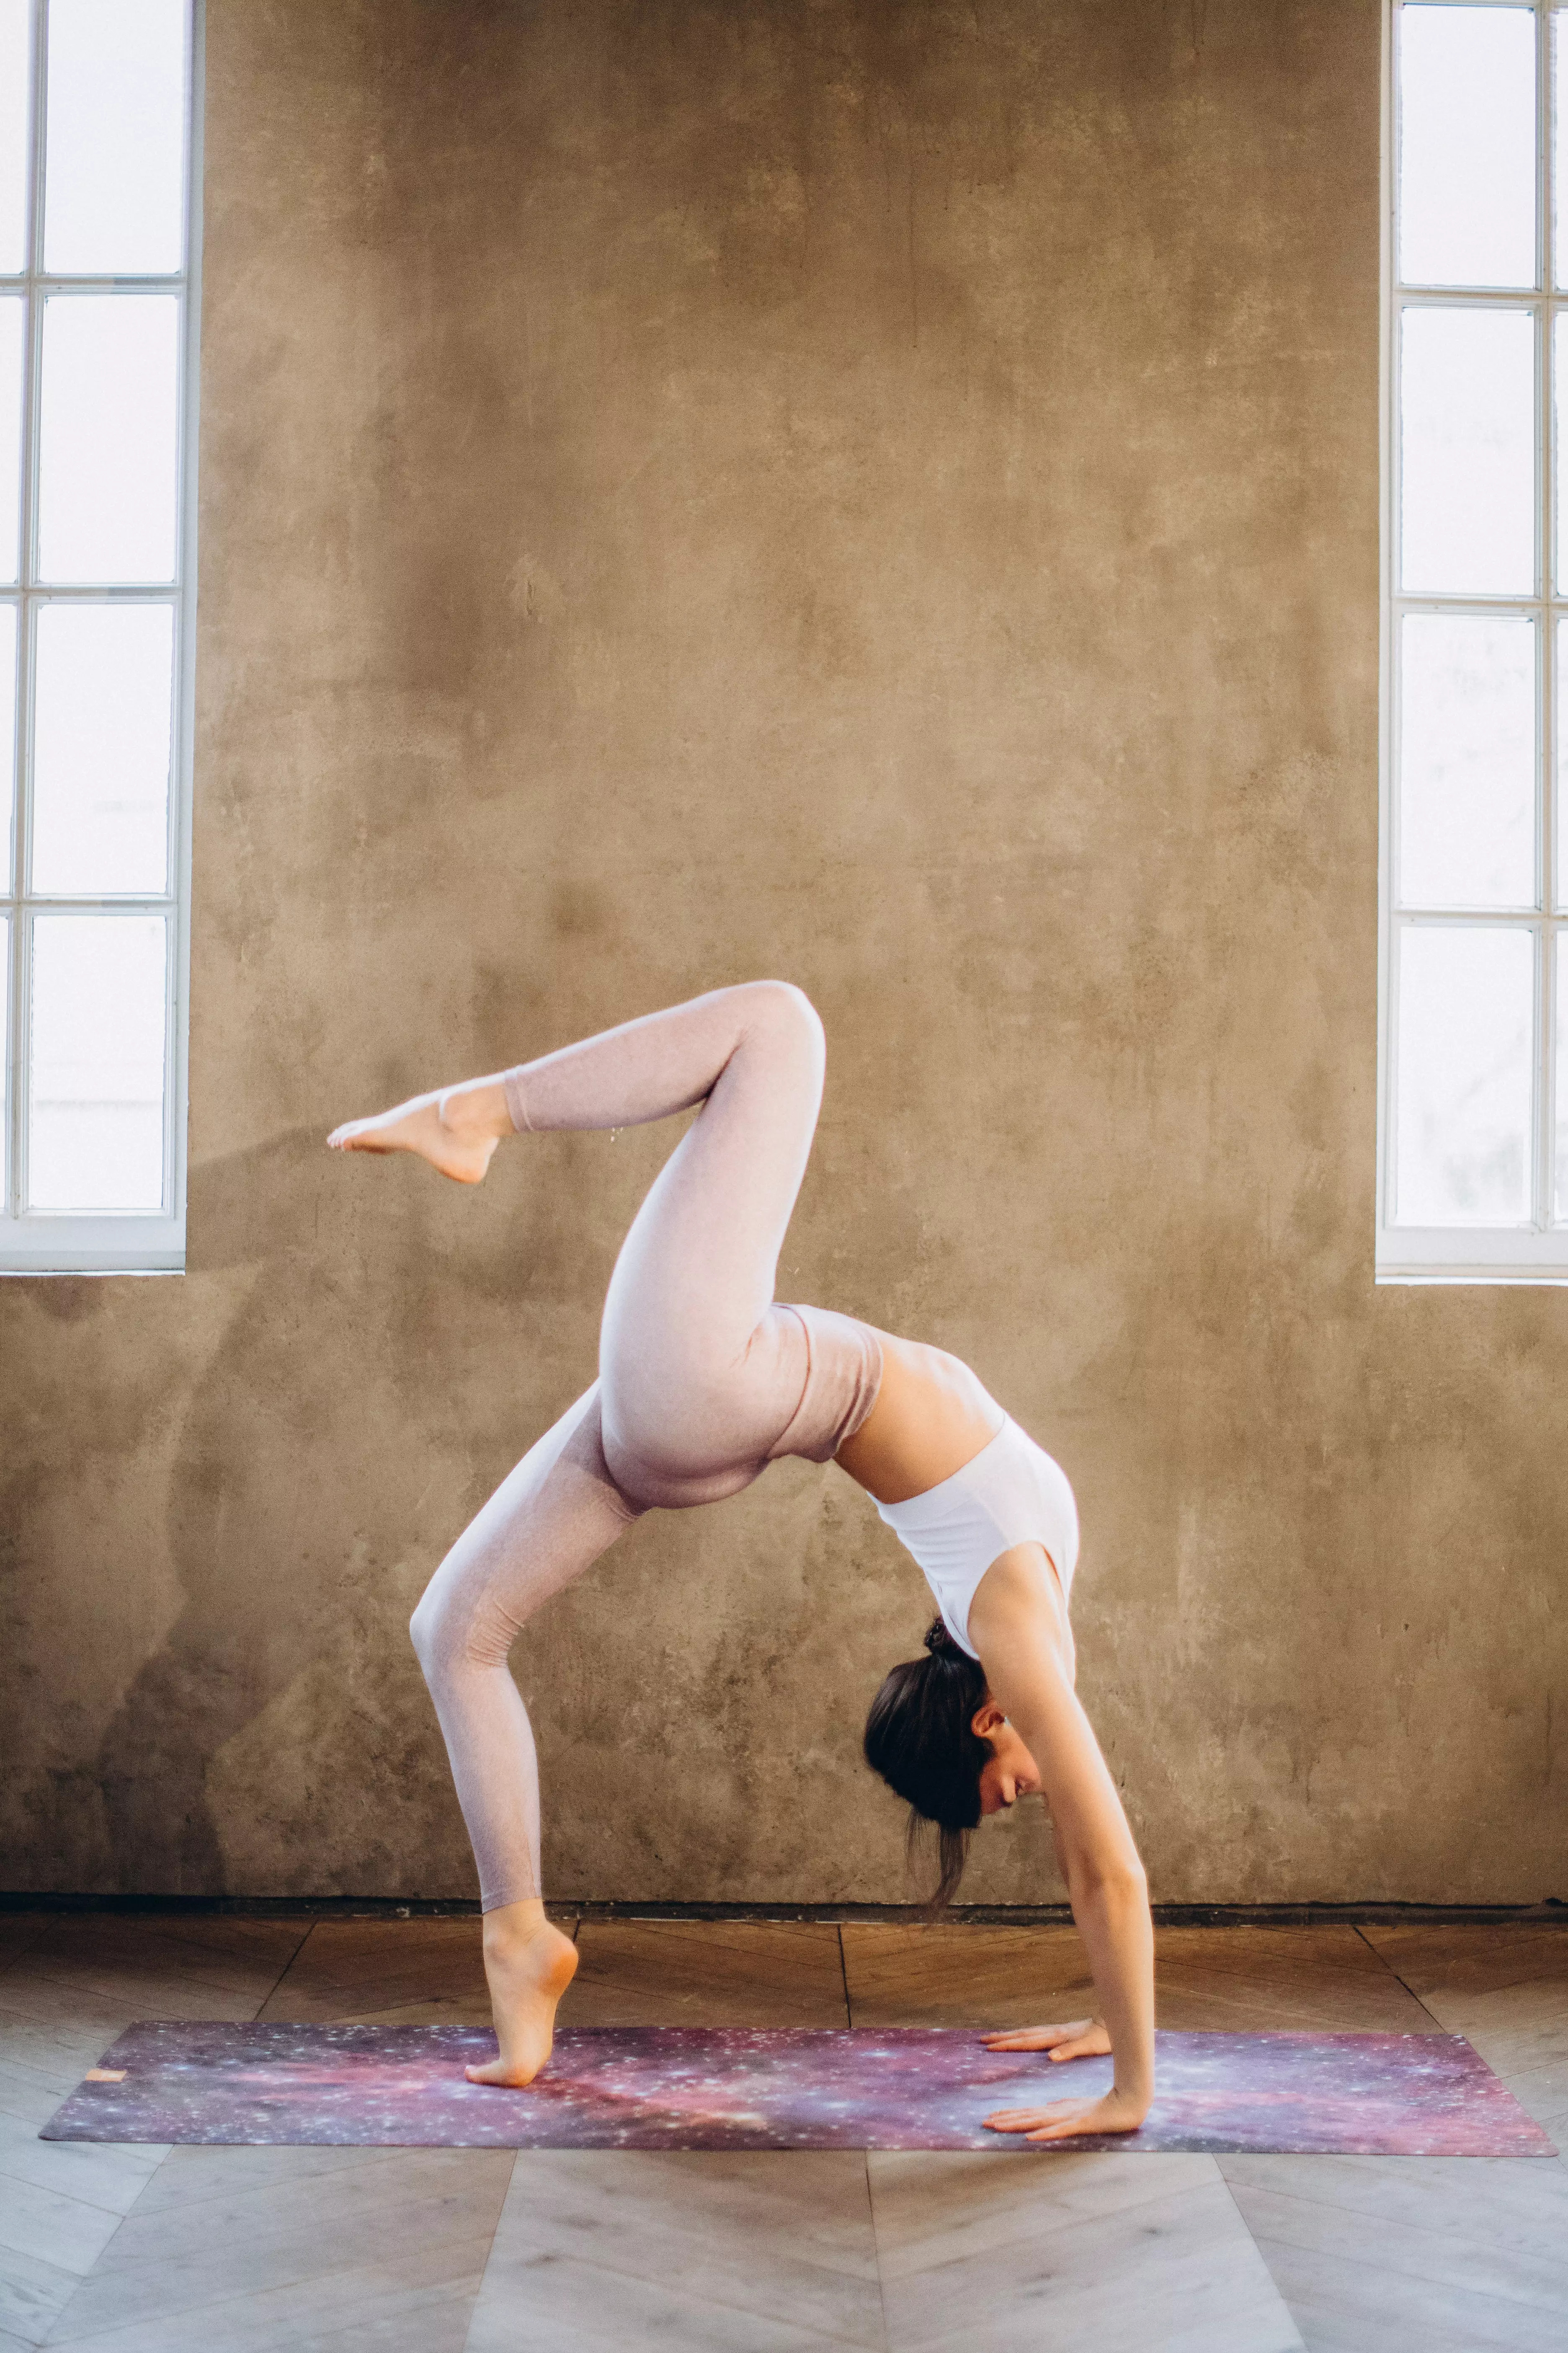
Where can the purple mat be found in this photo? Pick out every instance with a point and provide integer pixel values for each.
(730, 2088)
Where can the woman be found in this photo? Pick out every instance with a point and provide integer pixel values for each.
(704, 1380)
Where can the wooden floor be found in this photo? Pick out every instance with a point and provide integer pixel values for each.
(136, 2249)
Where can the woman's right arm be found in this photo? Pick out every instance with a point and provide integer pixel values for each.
(1027, 1665)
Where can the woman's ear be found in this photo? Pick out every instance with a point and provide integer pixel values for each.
(987, 1719)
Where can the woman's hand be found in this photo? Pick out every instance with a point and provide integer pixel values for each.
(1085, 2037)
(1116, 2112)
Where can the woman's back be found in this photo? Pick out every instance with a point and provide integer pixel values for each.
(933, 1415)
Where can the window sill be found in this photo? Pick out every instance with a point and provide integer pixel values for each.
(92, 1245)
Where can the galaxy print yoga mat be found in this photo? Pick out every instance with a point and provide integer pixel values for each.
(726, 2088)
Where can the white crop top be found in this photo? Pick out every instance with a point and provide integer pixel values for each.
(1012, 1492)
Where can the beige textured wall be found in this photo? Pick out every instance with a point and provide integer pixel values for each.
(883, 494)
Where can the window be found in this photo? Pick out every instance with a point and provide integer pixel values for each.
(1473, 1159)
(97, 435)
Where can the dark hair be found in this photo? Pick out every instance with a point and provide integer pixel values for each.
(918, 1737)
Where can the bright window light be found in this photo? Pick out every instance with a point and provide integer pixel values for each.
(15, 99)
(1467, 761)
(1473, 1175)
(7, 731)
(115, 205)
(1467, 146)
(108, 438)
(1562, 1075)
(1467, 452)
(96, 593)
(12, 330)
(103, 683)
(1466, 1053)
(95, 1136)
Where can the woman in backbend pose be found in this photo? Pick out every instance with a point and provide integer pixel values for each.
(703, 1381)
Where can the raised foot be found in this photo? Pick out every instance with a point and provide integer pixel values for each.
(456, 1130)
(527, 1972)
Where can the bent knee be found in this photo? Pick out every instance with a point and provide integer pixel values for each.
(782, 1006)
(427, 1631)
(454, 1632)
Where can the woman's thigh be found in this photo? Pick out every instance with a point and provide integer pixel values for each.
(701, 1372)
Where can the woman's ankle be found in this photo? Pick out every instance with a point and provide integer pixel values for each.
(510, 1926)
(477, 1107)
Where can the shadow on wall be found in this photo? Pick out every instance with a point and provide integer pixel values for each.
(280, 1560)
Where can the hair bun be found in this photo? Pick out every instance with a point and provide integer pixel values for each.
(940, 1642)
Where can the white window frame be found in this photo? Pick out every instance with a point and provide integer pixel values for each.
(1537, 1252)
(39, 1241)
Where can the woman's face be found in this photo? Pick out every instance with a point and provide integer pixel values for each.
(1009, 1772)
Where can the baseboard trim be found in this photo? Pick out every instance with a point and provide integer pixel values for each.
(1552, 1913)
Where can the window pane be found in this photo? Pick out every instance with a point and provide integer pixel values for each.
(5, 1062)
(1561, 1206)
(1559, 116)
(1466, 762)
(95, 1126)
(1463, 1076)
(7, 744)
(15, 93)
(107, 473)
(114, 159)
(1559, 450)
(1467, 146)
(13, 318)
(1468, 452)
(103, 700)
(1562, 818)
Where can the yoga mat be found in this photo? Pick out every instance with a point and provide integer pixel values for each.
(729, 2088)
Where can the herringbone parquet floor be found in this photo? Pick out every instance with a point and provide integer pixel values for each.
(140, 2250)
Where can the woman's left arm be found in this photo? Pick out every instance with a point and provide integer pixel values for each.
(1027, 1655)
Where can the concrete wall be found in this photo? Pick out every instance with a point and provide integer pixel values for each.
(884, 494)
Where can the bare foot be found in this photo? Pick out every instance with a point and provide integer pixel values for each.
(456, 1130)
(528, 1966)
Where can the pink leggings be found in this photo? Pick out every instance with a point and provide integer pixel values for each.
(703, 1380)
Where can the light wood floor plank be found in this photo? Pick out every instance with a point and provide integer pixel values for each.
(343, 2311)
(238, 2172)
(607, 2250)
(98, 2173)
(1448, 2252)
(33, 2294)
(340, 2250)
(933, 2208)
(30, 2095)
(413, 2219)
(53, 2043)
(64, 1997)
(64, 2231)
(706, 1973)
(1086, 2254)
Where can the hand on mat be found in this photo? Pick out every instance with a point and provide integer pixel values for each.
(1085, 2037)
(1114, 2114)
